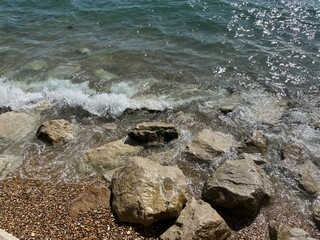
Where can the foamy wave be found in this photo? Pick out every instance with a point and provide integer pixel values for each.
(66, 93)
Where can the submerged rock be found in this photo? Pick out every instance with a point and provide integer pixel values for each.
(56, 132)
(154, 132)
(9, 164)
(93, 198)
(145, 192)
(208, 144)
(18, 125)
(110, 155)
(279, 231)
(198, 220)
(239, 186)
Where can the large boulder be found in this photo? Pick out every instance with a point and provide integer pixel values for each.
(56, 132)
(110, 155)
(153, 132)
(239, 186)
(145, 192)
(208, 144)
(94, 198)
(198, 220)
(279, 231)
(9, 164)
(18, 125)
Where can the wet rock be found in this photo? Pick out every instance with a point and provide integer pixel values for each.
(94, 198)
(84, 51)
(56, 132)
(225, 109)
(208, 144)
(257, 158)
(279, 231)
(104, 75)
(257, 143)
(9, 164)
(268, 110)
(145, 192)
(239, 186)
(304, 171)
(154, 132)
(18, 125)
(316, 211)
(143, 110)
(198, 220)
(6, 236)
(293, 152)
(110, 156)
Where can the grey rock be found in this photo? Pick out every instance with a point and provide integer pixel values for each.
(15, 126)
(279, 231)
(239, 186)
(198, 220)
(9, 164)
(6, 236)
(154, 132)
(145, 192)
(110, 155)
(56, 132)
(208, 144)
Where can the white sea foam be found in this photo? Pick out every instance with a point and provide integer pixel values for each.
(65, 93)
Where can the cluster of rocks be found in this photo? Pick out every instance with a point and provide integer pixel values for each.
(145, 192)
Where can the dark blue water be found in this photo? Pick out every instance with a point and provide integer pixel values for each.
(157, 48)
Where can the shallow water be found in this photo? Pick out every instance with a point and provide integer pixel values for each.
(92, 60)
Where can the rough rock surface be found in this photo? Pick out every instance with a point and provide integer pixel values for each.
(6, 236)
(279, 231)
(256, 157)
(239, 186)
(93, 198)
(304, 171)
(257, 143)
(8, 164)
(145, 192)
(198, 220)
(316, 211)
(109, 156)
(150, 132)
(18, 125)
(208, 144)
(56, 132)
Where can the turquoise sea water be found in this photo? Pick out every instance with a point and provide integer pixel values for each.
(157, 48)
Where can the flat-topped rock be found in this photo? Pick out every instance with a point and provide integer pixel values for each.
(56, 132)
(238, 186)
(18, 125)
(110, 155)
(145, 192)
(198, 220)
(208, 144)
(154, 132)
